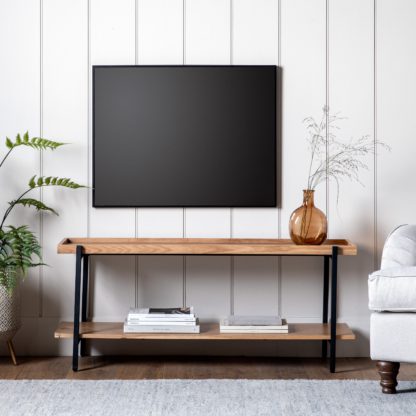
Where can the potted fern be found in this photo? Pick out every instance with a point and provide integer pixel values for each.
(19, 246)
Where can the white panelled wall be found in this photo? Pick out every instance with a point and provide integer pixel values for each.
(357, 56)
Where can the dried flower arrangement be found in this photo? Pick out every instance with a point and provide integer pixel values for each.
(330, 159)
(334, 159)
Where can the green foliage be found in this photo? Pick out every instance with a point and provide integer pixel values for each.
(30, 202)
(32, 183)
(19, 247)
(35, 142)
(53, 181)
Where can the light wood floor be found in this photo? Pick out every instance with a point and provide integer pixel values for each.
(192, 368)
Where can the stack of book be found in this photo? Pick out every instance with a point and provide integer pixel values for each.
(254, 324)
(150, 320)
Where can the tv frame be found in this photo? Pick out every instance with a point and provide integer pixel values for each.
(275, 183)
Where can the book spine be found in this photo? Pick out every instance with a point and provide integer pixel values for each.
(161, 328)
(178, 316)
(254, 327)
(254, 331)
(163, 319)
(165, 323)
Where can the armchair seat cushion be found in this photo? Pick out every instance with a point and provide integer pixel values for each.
(393, 289)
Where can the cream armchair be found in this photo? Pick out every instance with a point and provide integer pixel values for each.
(392, 298)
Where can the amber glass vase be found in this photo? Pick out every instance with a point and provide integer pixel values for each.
(308, 224)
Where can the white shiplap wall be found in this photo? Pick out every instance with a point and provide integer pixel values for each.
(356, 56)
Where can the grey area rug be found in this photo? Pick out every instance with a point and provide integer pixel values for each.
(203, 397)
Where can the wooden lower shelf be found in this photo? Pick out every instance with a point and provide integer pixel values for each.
(210, 331)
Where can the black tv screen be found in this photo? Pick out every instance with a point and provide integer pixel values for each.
(184, 136)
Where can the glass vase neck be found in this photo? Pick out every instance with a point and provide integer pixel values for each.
(308, 197)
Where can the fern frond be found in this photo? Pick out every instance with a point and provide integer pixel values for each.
(18, 246)
(9, 143)
(37, 143)
(32, 182)
(30, 202)
(37, 182)
(42, 144)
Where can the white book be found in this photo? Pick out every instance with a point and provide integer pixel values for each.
(173, 313)
(254, 322)
(254, 331)
(164, 319)
(150, 329)
(134, 322)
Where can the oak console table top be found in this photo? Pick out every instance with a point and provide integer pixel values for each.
(203, 246)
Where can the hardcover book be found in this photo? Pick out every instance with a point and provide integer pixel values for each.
(160, 321)
(254, 331)
(253, 322)
(163, 319)
(143, 329)
(161, 312)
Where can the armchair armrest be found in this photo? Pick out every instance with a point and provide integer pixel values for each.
(393, 289)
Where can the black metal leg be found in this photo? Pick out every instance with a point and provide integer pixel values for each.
(84, 304)
(333, 341)
(77, 299)
(325, 303)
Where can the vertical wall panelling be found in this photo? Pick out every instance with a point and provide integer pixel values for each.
(396, 122)
(184, 209)
(232, 258)
(207, 31)
(279, 146)
(375, 136)
(255, 42)
(160, 42)
(136, 211)
(358, 56)
(208, 285)
(20, 110)
(350, 81)
(112, 43)
(65, 117)
(303, 56)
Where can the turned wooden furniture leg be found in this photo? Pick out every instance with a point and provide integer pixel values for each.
(388, 372)
(11, 350)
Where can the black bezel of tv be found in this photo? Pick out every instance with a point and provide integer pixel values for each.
(274, 202)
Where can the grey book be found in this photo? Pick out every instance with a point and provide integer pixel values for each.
(236, 322)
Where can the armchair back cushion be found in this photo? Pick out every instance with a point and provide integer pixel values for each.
(400, 248)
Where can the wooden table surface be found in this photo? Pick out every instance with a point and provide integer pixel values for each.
(203, 246)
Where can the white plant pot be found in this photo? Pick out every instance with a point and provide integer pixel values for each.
(10, 320)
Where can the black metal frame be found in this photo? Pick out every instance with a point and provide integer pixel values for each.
(333, 323)
(276, 79)
(81, 305)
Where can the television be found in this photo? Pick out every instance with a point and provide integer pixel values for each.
(184, 136)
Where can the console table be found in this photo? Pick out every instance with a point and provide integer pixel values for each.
(85, 247)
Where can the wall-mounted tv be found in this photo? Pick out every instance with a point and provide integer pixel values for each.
(184, 136)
